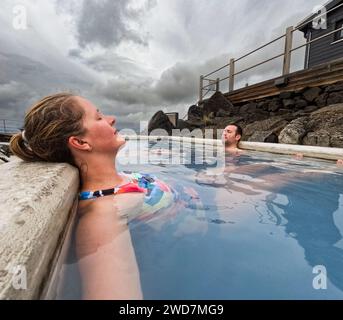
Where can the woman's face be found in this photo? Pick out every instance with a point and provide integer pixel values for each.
(100, 134)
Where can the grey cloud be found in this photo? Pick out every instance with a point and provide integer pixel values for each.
(106, 22)
(24, 81)
(177, 85)
(110, 63)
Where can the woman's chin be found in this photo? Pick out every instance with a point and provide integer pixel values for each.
(120, 140)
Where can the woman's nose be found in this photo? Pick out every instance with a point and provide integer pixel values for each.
(112, 120)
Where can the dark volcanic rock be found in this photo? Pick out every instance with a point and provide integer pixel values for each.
(264, 136)
(312, 94)
(300, 103)
(321, 101)
(271, 125)
(195, 113)
(189, 124)
(288, 103)
(286, 95)
(335, 87)
(311, 108)
(335, 97)
(275, 105)
(217, 102)
(160, 121)
(223, 113)
(248, 108)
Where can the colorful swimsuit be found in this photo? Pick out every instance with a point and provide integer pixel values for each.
(158, 195)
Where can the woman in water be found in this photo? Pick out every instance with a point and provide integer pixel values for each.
(68, 128)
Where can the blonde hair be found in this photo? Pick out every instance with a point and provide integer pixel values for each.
(48, 125)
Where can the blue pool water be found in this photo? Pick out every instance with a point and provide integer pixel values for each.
(257, 230)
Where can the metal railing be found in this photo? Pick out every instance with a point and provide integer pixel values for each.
(10, 126)
(214, 84)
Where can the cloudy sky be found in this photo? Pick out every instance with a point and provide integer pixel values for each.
(135, 57)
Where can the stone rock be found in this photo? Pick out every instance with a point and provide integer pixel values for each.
(211, 115)
(334, 87)
(282, 112)
(274, 105)
(270, 125)
(311, 109)
(336, 140)
(300, 103)
(294, 132)
(182, 124)
(263, 105)
(160, 121)
(325, 127)
(312, 94)
(288, 103)
(262, 112)
(195, 113)
(264, 136)
(248, 108)
(335, 97)
(321, 101)
(286, 95)
(216, 102)
(319, 138)
(224, 113)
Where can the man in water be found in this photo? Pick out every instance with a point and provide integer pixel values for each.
(232, 134)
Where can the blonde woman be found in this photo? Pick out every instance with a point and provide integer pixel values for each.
(68, 128)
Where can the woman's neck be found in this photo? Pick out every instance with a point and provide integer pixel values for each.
(99, 173)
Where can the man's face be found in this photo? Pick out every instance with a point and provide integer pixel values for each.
(230, 136)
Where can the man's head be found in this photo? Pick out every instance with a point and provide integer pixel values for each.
(232, 134)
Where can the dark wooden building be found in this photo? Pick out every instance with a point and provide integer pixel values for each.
(328, 48)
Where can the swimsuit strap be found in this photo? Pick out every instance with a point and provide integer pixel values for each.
(138, 183)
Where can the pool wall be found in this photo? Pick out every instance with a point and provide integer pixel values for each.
(278, 148)
(38, 201)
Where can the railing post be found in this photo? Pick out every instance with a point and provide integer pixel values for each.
(201, 85)
(217, 84)
(288, 52)
(232, 75)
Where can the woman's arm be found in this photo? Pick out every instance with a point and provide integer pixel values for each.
(107, 260)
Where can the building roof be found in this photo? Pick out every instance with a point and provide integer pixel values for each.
(304, 24)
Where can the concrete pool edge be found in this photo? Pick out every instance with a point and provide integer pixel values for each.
(37, 204)
(326, 153)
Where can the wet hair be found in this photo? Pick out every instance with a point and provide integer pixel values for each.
(47, 126)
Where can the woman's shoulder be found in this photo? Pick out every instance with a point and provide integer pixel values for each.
(111, 205)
